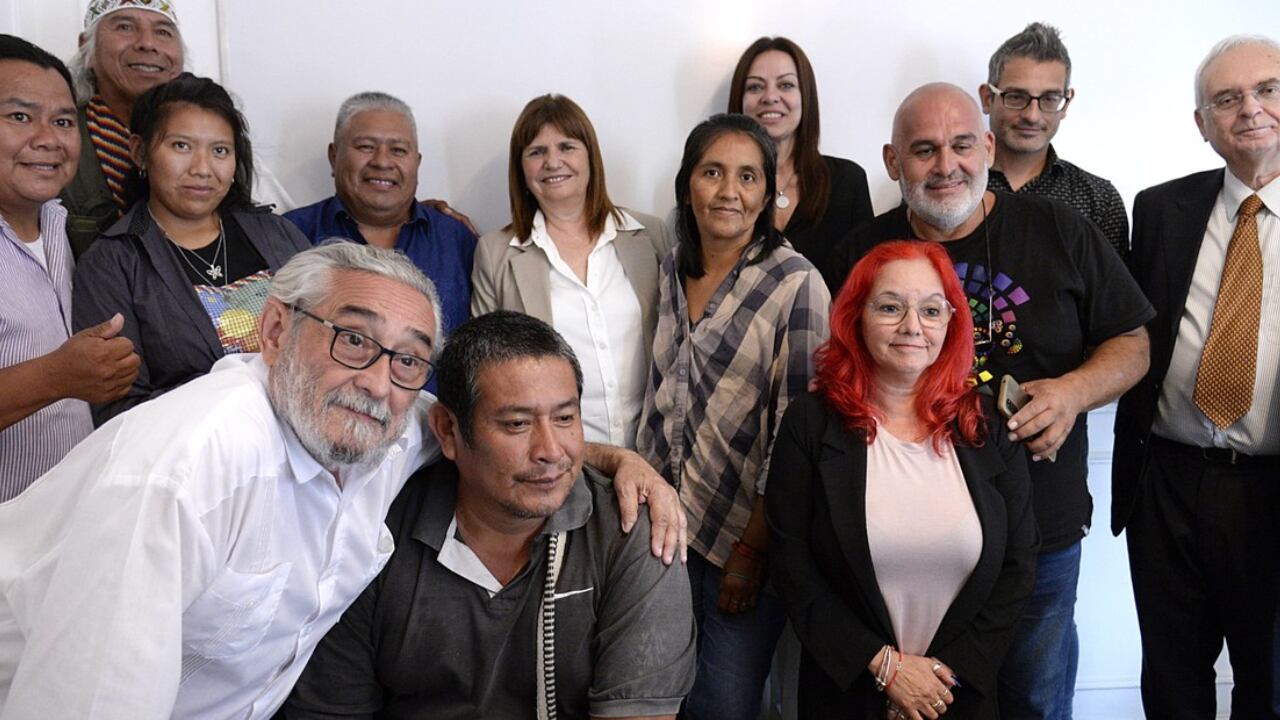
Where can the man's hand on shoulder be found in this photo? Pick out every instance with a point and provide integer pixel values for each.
(96, 364)
(636, 483)
(443, 207)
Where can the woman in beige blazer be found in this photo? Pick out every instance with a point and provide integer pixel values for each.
(575, 260)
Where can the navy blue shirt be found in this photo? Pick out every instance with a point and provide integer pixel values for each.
(440, 246)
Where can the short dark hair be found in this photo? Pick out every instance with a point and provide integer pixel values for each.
(15, 48)
(1040, 42)
(495, 337)
(689, 247)
(569, 118)
(154, 107)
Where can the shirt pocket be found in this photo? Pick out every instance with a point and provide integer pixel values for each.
(233, 615)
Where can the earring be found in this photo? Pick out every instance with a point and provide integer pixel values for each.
(143, 173)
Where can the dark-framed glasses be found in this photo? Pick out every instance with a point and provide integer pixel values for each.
(1050, 102)
(359, 352)
(933, 312)
(1266, 93)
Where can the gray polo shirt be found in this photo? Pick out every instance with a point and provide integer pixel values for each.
(422, 641)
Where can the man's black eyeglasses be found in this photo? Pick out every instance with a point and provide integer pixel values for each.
(359, 351)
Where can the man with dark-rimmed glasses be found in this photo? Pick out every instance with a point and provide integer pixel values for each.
(1027, 93)
(185, 559)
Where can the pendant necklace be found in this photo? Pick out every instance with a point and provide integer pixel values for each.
(782, 202)
(214, 269)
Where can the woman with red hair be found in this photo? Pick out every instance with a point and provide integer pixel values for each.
(899, 512)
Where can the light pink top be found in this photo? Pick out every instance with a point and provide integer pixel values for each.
(923, 533)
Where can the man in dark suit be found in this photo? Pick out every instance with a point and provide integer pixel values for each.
(1196, 473)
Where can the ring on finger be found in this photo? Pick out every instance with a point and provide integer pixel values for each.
(937, 704)
(936, 666)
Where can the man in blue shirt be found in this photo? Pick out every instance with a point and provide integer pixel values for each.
(375, 159)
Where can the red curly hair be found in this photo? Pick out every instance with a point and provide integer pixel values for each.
(945, 401)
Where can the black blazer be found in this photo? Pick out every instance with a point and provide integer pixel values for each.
(132, 270)
(1169, 221)
(821, 565)
(848, 206)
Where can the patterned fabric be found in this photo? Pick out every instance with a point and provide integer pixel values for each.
(35, 320)
(1229, 365)
(719, 387)
(99, 8)
(1090, 195)
(235, 310)
(110, 137)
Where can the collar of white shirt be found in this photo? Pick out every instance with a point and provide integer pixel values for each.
(1234, 192)
(539, 237)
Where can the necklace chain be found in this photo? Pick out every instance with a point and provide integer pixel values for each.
(214, 270)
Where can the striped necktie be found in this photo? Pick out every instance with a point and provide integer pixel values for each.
(1229, 365)
(110, 140)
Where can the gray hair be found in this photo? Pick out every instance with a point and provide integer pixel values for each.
(1038, 41)
(495, 337)
(371, 100)
(1222, 48)
(306, 279)
(81, 64)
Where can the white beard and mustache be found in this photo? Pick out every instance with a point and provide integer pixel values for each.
(294, 389)
(944, 215)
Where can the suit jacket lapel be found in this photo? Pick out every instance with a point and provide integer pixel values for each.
(530, 268)
(1190, 217)
(977, 465)
(843, 469)
(638, 260)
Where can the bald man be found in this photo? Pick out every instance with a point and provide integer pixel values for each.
(1063, 317)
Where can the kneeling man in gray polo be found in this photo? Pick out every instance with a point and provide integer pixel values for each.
(511, 592)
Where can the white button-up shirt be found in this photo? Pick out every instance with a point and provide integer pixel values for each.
(601, 321)
(185, 559)
(1177, 417)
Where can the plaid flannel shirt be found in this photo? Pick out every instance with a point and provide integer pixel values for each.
(718, 387)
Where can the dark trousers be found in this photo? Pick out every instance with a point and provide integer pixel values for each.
(1203, 556)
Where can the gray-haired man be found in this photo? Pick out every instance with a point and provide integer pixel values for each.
(127, 47)
(506, 554)
(185, 559)
(375, 159)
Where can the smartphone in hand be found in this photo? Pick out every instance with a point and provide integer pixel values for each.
(1011, 399)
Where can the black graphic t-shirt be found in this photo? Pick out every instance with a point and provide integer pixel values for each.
(1054, 290)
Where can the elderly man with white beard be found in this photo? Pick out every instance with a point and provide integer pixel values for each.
(185, 559)
(1054, 307)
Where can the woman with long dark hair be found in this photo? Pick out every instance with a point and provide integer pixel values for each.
(739, 317)
(188, 266)
(818, 197)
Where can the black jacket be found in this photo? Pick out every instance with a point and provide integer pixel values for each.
(821, 565)
(132, 270)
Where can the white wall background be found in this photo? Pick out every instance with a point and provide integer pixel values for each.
(647, 72)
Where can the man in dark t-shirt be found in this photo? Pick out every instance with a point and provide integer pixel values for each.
(511, 587)
(1052, 306)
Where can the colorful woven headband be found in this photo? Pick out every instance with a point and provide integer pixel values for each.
(100, 8)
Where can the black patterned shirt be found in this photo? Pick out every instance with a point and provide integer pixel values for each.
(1090, 195)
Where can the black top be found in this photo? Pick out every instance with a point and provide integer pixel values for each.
(241, 258)
(823, 570)
(848, 206)
(1060, 290)
(424, 642)
(1090, 195)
